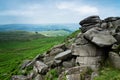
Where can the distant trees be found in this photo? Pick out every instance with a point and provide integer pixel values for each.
(36, 32)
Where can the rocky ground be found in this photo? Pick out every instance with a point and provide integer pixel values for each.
(81, 57)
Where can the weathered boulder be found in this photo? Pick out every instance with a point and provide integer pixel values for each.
(117, 37)
(38, 57)
(91, 62)
(88, 54)
(64, 55)
(49, 60)
(86, 50)
(116, 23)
(80, 40)
(88, 60)
(104, 25)
(55, 51)
(90, 22)
(90, 19)
(41, 67)
(110, 19)
(100, 37)
(74, 73)
(69, 64)
(114, 59)
(82, 47)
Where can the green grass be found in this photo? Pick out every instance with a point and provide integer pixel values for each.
(52, 75)
(109, 73)
(74, 34)
(12, 53)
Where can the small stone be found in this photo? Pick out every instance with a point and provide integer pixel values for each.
(115, 46)
(93, 75)
(25, 63)
(38, 77)
(19, 77)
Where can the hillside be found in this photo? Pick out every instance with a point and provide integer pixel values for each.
(19, 36)
(13, 53)
(91, 53)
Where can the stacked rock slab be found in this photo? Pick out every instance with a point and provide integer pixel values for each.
(90, 44)
(87, 53)
(90, 22)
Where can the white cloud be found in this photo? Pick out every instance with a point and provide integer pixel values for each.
(87, 10)
(16, 13)
(81, 9)
(65, 5)
(24, 11)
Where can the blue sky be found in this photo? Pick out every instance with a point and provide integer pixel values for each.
(55, 11)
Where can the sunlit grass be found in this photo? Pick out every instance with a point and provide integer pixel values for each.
(12, 53)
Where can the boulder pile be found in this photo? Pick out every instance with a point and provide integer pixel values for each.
(98, 40)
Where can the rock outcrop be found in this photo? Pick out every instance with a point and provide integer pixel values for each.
(98, 40)
(90, 22)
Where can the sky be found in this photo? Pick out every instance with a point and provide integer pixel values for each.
(55, 11)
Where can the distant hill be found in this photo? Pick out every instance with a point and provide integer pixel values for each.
(19, 36)
(39, 27)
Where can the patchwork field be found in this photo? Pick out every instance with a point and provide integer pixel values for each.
(55, 33)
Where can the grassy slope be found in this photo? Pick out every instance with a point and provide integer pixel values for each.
(108, 73)
(74, 34)
(13, 53)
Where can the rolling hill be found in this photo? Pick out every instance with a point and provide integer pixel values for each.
(39, 27)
